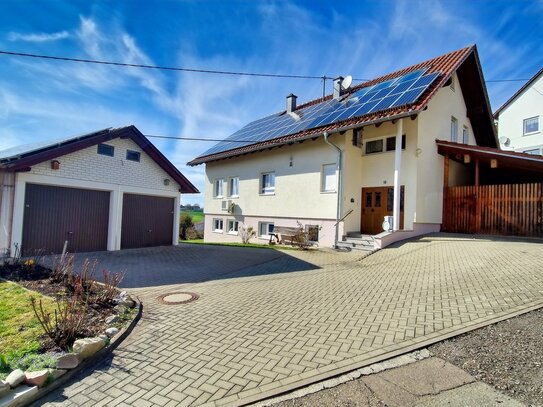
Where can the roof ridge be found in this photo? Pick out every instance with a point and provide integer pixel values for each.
(518, 92)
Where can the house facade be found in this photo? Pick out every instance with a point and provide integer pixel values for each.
(88, 193)
(519, 119)
(345, 177)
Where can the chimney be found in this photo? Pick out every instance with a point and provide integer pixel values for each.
(337, 87)
(291, 103)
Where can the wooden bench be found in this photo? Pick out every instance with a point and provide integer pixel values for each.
(283, 234)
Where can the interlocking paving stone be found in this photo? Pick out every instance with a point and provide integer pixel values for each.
(255, 336)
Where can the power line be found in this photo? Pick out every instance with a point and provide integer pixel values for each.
(196, 70)
(167, 68)
(205, 139)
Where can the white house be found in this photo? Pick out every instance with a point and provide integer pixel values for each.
(519, 119)
(106, 190)
(332, 164)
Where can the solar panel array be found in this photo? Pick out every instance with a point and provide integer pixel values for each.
(389, 94)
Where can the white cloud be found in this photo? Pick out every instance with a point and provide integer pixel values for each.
(38, 37)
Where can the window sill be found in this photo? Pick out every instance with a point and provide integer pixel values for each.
(233, 233)
(217, 231)
(267, 194)
(328, 192)
(233, 197)
(218, 197)
(531, 134)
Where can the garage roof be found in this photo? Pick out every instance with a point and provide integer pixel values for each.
(22, 157)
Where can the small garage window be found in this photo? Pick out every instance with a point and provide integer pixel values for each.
(105, 149)
(132, 155)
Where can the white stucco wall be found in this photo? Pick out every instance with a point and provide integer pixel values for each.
(88, 170)
(435, 123)
(510, 121)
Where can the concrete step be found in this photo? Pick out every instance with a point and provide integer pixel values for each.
(364, 241)
(355, 246)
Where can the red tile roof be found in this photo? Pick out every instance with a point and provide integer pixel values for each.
(446, 65)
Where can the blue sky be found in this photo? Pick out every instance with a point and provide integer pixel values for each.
(42, 99)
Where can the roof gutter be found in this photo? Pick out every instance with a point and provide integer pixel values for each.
(339, 185)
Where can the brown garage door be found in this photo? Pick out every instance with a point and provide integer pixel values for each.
(53, 215)
(147, 221)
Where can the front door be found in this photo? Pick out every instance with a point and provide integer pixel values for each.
(378, 202)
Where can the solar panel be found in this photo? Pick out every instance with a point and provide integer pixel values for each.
(392, 93)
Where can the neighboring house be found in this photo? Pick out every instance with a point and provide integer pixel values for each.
(107, 190)
(519, 119)
(332, 164)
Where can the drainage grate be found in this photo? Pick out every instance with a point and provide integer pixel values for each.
(181, 297)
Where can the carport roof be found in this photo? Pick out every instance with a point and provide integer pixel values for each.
(506, 159)
(22, 157)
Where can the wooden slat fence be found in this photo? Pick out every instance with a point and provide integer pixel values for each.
(512, 209)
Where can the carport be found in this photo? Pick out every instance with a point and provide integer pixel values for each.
(491, 191)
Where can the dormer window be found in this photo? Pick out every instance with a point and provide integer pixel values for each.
(105, 149)
(133, 155)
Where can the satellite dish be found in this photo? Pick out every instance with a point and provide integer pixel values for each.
(346, 83)
(505, 141)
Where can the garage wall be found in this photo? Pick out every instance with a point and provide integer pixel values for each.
(87, 165)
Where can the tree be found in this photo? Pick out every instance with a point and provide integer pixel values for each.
(185, 223)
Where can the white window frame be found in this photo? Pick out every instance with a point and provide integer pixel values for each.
(218, 225)
(231, 193)
(267, 227)
(527, 133)
(533, 151)
(384, 144)
(454, 129)
(216, 193)
(465, 134)
(231, 223)
(270, 190)
(324, 177)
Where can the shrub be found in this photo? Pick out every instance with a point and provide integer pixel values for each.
(185, 223)
(106, 292)
(68, 318)
(246, 233)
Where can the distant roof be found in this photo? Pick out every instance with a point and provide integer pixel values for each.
(464, 61)
(24, 156)
(518, 92)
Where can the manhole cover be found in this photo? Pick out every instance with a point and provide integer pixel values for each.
(178, 298)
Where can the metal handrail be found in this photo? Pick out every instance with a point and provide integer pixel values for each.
(347, 214)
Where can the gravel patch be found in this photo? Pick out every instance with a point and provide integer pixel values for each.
(507, 355)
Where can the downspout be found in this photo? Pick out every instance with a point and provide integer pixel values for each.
(339, 184)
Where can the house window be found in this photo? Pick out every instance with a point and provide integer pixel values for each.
(267, 183)
(218, 185)
(233, 226)
(465, 135)
(217, 225)
(328, 178)
(265, 229)
(531, 125)
(133, 155)
(391, 143)
(454, 129)
(105, 149)
(233, 187)
(374, 146)
(312, 233)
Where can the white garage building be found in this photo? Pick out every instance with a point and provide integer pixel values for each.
(107, 190)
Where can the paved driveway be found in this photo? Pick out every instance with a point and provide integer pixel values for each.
(186, 263)
(253, 337)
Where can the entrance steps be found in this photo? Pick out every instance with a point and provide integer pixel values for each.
(357, 241)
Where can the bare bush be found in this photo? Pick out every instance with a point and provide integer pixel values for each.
(246, 233)
(106, 292)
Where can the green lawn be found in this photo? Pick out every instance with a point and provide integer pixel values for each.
(197, 216)
(19, 327)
